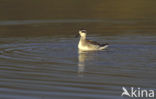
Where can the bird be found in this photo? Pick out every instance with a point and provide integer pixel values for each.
(89, 45)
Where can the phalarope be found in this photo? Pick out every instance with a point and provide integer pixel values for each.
(88, 45)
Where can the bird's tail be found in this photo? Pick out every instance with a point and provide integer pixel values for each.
(103, 46)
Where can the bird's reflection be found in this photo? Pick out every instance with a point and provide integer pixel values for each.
(83, 58)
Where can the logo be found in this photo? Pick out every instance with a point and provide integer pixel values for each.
(138, 92)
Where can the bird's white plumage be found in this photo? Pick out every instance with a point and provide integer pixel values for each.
(88, 45)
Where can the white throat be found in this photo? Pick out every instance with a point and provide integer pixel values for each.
(83, 36)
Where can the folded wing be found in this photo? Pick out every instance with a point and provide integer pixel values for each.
(96, 43)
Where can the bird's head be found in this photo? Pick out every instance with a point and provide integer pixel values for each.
(82, 33)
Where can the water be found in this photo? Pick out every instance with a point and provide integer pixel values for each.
(39, 58)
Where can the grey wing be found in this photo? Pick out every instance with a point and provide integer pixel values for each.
(96, 43)
(93, 42)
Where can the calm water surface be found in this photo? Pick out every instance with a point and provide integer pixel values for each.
(39, 57)
(48, 66)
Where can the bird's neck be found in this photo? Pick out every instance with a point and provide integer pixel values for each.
(83, 37)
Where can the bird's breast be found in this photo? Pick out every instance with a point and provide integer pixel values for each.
(82, 46)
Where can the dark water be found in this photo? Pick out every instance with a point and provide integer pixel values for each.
(39, 57)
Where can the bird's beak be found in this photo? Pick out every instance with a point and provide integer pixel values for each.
(77, 35)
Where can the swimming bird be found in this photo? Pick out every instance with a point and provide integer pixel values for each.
(88, 45)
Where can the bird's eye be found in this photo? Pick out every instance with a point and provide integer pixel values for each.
(83, 30)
